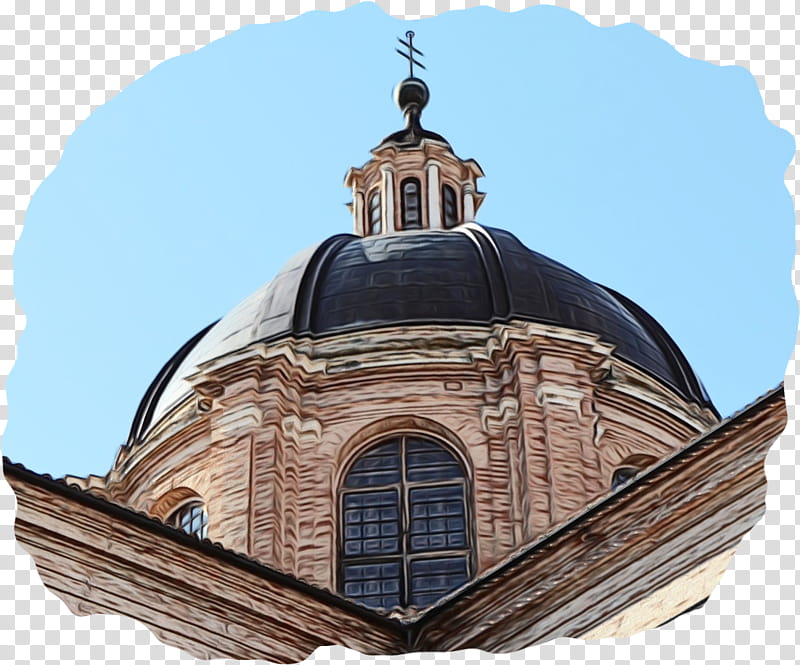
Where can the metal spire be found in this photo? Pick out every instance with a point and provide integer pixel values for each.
(411, 51)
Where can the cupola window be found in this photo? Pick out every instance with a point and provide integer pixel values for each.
(449, 207)
(191, 518)
(404, 525)
(375, 213)
(412, 211)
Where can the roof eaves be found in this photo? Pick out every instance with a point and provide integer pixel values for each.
(216, 550)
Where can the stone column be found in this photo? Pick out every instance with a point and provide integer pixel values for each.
(387, 200)
(434, 198)
(469, 202)
(359, 223)
(228, 460)
(277, 398)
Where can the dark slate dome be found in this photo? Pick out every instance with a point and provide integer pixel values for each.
(471, 275)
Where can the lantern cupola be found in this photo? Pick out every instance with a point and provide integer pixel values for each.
(414, 180)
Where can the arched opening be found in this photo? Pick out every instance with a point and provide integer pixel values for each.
(412, 208)
(374, 213)
(622, 476)
(191, 518)
(449, 207)
(629, 468)
(404, 528)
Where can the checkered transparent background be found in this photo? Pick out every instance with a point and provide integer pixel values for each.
(60, 60)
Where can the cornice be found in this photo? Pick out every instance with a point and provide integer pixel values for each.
(304, 361)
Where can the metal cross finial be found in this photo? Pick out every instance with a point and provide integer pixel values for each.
(411, 51)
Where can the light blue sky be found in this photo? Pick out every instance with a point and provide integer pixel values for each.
(604, 148)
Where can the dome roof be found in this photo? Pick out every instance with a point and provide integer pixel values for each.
(471, 275)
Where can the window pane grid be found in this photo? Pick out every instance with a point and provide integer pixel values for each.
(437, 519)
(192, 519)
(428, 461)
(379, 467)
(431, 579)
(417, 484)
(377, 585)
(371, 523)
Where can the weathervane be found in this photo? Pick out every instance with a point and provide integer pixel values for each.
(411, 51)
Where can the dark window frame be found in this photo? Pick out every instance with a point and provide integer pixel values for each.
(406, 556)
(456, 218)
(404, 225)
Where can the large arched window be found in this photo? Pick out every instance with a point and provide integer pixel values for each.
(449, 207)
(412, 208)
(191, 518)
(404, 525)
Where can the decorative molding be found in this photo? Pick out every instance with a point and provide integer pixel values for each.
(550, 393)
(301, 428)
(234, 420)
(498, 415)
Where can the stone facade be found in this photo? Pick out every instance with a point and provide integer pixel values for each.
(540, 418)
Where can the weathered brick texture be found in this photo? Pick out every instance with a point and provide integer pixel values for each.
(534, 413)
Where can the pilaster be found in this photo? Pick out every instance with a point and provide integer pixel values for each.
(499, 500)
(565, 394)
(434, 195)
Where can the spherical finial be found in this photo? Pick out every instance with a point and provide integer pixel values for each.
(411, 94)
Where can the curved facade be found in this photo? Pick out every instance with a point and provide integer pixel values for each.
(541, 416)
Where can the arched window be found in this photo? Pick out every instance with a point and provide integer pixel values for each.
(191, 518)
(449, 207)
(374, 213)
(623, 476)
(404, 525)
(629, 468)
(412, 210)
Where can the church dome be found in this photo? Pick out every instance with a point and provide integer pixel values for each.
(407, 406)
(467, 276)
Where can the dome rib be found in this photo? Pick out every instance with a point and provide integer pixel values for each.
(149, 404)
(305, 304)
(680, 364)
(495, 271)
